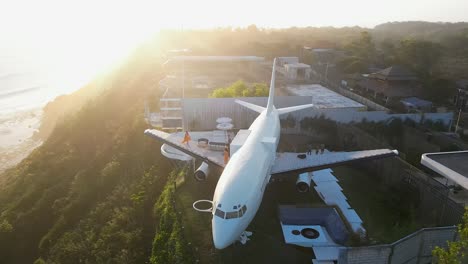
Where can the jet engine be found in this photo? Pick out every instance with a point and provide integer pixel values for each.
(303, 182)
(201, 174)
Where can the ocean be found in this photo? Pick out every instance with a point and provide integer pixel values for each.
(26, 84)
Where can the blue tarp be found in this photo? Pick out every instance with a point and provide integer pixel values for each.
(416, 102)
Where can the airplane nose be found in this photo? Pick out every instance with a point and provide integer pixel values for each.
(224, 233)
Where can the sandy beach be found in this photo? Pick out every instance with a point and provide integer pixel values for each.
(16, 136)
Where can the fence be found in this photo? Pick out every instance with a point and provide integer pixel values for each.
(361, 99)
(434, 204)
(415, 248)
(201, 113)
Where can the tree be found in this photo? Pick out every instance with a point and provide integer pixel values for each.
(455, 253)
(420, 55)
(362, 52)
(240, 89)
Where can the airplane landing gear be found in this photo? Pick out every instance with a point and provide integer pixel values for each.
(244, 237)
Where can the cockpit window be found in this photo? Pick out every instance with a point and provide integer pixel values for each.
(236, 214)
(219, 213)
(244, 209)
(230, 215)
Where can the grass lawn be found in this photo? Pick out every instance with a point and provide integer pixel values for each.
(377, 206)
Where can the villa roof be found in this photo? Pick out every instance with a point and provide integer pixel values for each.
(389, 89)
(394, 73)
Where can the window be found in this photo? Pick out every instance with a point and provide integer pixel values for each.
(231, 215)
(219, 213)
(234, 207)
(244, 208)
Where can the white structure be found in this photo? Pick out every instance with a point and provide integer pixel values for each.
(297, 71)
(282, 61)
(331, 193)
(241, 186)
(451, 165)
(325, 98)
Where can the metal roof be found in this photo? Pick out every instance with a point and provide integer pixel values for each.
(415, 102)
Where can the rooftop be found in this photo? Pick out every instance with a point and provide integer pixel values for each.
(389, 89)
(452, 165)
(394, 73)
(297, 65)
(416, 102)
(323, 97)
(216, 58)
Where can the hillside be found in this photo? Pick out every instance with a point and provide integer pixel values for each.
(86, 195)
(419, 29)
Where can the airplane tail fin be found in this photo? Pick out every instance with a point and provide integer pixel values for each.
(271, 95)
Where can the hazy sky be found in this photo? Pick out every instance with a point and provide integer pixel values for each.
(103, 30)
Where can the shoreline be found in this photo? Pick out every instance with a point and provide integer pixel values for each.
(17, 139)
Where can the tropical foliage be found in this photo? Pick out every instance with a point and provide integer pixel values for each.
(240, 89)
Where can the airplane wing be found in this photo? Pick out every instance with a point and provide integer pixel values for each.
(191, 148)
(287, 162)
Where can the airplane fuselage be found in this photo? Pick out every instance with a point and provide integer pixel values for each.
(241, 186)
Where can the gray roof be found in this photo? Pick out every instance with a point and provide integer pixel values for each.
(452, 165)
(390, 89)
(394, 73)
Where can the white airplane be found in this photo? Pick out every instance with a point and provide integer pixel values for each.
(241, 186)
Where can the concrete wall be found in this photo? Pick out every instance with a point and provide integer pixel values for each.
(415, 248)
(365, 255)
(201, 113)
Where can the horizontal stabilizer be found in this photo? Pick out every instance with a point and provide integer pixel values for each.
(293, 108)
(256, 108)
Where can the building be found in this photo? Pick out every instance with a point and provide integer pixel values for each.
(452, 166)
(390, 84)
(297, 71)
(415, 104)
(292, 69)
(197, 76)
(281, 61)
(323, 55)
(325, 98)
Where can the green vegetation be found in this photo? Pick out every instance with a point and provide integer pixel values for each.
(388, 212)
(169, 244)
(240, 89)
(87, 193)
(362, 53)
(455, 253)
